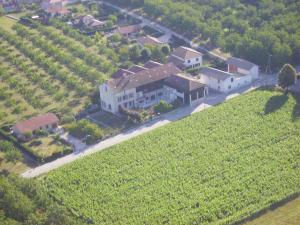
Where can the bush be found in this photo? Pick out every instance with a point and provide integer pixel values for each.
(67, 118)
(41, 133)
(6, 146)
(163, 107)
(133, 115)
(85, 129)
(13, 156)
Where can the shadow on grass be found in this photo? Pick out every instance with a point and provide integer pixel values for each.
(296, 109)
(275, 102)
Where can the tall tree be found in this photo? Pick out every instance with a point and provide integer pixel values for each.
(286, 76)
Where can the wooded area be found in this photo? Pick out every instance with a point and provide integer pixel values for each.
(253, 30)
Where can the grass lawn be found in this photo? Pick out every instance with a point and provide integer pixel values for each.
(7, 23)
(289, 214)
(214, 167)
(45, 146)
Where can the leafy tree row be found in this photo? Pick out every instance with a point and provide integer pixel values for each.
(76, 49)
(25, 202)
(33, 74)
(74, 64)
(21, 87)
(249, 29)
(39, 58)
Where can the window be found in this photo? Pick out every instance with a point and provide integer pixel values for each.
(152, 97)
(125, 97)
(219, 88)
(189, 61)
(103, 104)
(231, 79)
(197, 59)
(160, 94)
(109, 106)
(219, 81)
(131, 95)
(119, 99)
(229, 87)
(105, 88)
(147, 98)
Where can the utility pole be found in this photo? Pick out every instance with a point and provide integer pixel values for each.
(268, 68)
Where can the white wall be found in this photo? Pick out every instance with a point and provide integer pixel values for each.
(226, 85)
(193, 61)
(171, 94)
(107, 97)
(253, 72)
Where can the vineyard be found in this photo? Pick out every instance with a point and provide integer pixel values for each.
(215, 167)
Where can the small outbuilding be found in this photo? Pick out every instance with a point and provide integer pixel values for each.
(46, 122)
(242, 67)
(223, 81)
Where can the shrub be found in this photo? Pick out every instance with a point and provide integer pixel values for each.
(6, 146)
(84, 128)
(28, 135)
(67, 118)
(13, 156)
(163, 107)
(133, 115)
(41, 133)
(286, 76)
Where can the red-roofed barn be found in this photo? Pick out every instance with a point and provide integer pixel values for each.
(47, 122)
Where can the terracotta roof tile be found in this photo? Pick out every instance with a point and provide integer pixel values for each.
(36, 122)
(241, 63)
(186, 53)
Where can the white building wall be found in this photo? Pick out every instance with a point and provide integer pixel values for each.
(253, 72)
(192, 62)
(226, 85)
(108, 100)
(171, 94)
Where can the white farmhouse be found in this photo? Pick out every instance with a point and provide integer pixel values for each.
(243, 67)
(223, 81)
(145, 86)
(184, 58)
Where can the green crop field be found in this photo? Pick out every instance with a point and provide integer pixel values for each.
(214, 167)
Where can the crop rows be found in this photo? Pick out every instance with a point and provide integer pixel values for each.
(39, 58)
(215, 167)
(74, 47)
(75, 64)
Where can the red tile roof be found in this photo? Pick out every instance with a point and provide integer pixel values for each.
(136, 69)
(36, 122)
(183, 83)
(186, 53)
(147, 76)
(149, 40)
(129, 29)
(151, 64)
(58, 10)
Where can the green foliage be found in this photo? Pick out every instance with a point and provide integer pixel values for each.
(24, 202)
(163, 107)
(287, 76)
(145, 54)
(247, 29)
(135, 52)
(85, 129)
(6, 146)
(2, 11)
(214, 167)
(13, 156)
